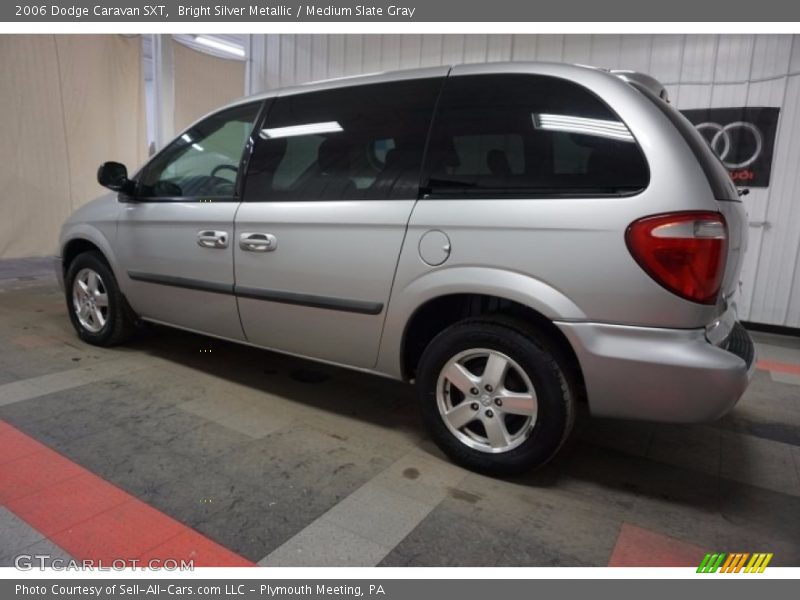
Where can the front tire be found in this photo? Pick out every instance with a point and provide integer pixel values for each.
(97, 309)
(494, 396)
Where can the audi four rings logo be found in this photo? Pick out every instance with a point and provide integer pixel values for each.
(742, 138)
(737, 144)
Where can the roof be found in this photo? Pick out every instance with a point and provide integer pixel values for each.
(441, 71)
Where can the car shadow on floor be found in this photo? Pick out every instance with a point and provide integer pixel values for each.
(601, 454)
(668, 478)
(358, 395)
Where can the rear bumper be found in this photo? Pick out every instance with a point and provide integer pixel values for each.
(668, 375)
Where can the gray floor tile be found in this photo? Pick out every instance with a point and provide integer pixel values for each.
(326, 545)
(236, 446)
(41, 553)
(688, 446)
(759, 462)
(453, 537)
(15, 534)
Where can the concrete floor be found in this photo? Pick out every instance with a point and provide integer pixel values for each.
(285, 462)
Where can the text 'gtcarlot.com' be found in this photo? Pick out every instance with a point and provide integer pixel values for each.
(28, 562)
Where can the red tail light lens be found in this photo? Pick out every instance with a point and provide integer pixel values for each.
(684, 252)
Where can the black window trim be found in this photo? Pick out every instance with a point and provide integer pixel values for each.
(521, 194)
(243, 162)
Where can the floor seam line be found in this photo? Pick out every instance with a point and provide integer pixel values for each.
(325, 518)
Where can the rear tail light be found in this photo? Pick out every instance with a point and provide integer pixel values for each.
(684, 252)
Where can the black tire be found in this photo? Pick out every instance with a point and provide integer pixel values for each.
(120, 321)
(539, 362)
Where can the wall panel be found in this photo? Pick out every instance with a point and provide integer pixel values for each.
(203, 83)
(61, 118)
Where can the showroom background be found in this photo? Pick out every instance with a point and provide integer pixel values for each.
(78, 100)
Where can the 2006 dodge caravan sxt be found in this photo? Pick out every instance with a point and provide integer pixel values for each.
(512, 237)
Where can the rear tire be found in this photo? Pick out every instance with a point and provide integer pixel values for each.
(97, 309)
(494, 396)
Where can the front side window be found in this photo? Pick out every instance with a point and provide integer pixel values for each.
(203, 161)
(358, 142)
(517, 135)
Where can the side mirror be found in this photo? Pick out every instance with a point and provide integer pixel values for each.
(114, 176)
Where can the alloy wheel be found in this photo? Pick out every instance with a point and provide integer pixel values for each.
(486, 400)
(90, 300)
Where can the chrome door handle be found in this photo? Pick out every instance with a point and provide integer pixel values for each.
(258, 242)
(212, 239)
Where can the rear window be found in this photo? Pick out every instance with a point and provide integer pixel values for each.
(529, 135)
(722, 185)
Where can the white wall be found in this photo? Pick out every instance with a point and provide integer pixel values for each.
(699, 70)
(61, 114)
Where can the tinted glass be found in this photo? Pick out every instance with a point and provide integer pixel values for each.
(358, 142)
(204, 161)
(722, 185)
(528, 134)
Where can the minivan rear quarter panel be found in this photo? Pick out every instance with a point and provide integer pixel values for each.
(574, 246)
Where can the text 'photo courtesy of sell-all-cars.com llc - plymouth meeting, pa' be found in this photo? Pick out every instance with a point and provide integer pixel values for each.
(514, 239)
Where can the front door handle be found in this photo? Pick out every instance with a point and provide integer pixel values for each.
(258, 242)
(212, 239)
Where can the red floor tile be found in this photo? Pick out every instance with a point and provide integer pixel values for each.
(772, 365)
(639, 547)
(14, 444)
(89, 517)
(199, 549)
(32, 473)
(122, 533)
(67, 503)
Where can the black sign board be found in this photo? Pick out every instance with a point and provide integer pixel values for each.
(743, 138)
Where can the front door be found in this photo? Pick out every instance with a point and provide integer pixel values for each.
(175, 237)
(330, 188)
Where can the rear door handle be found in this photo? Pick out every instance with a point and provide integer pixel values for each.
(258, 242)
(212, 239)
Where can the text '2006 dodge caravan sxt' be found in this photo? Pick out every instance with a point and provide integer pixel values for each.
(512, 237)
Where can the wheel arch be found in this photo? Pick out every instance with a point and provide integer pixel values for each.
(85, 238)
(447, 296)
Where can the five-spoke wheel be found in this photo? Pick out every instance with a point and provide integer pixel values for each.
(494, 395)
(90, 300)
(486, 400)
(97, 308)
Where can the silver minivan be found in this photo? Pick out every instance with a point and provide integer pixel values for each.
(514, 238)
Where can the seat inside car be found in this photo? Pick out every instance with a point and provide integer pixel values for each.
(396, 165)
(497, 162)
(331, 176)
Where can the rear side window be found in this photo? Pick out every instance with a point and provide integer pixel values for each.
(359, 142)
(722, 185)
(523, 135)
